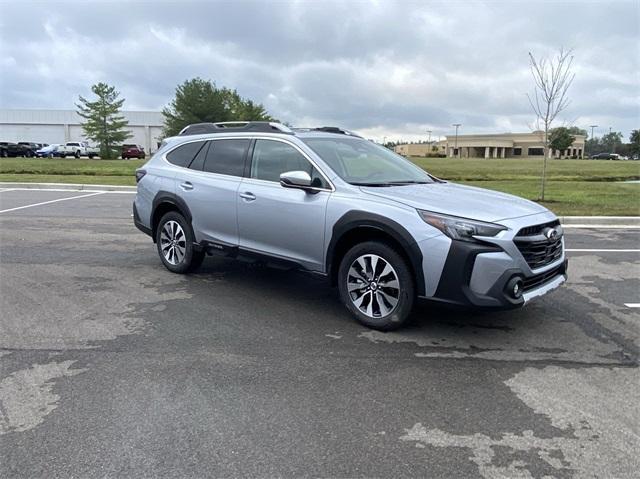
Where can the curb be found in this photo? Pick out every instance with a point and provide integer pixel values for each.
(67, 186)
(600, 221)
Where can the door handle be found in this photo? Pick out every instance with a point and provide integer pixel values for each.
(186, 185)
(247, 196)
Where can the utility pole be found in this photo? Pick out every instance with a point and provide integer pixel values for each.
(592, 138)
(429, 140)
(457, 125)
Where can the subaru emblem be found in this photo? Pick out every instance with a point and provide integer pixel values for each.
(551, 234)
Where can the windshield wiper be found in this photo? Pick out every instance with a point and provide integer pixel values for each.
(393, 183)
(409, 182)
(371, 184)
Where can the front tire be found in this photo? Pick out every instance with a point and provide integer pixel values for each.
(175, 243)
(376, 285)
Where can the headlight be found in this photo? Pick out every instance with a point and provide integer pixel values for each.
(460, 228)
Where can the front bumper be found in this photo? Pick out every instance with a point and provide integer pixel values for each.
(480, 275)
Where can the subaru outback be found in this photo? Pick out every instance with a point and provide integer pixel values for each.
(327, 201)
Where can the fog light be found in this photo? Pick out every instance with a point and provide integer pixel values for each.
(514, 287)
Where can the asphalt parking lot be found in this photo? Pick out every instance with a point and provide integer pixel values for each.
(112, 366)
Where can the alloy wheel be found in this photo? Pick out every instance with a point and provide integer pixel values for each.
(173, 242)
(373, 286)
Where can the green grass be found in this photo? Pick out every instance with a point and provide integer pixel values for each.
(128, 180)
(479, 169)
(574, 187)
(575, 198)
(57, 166)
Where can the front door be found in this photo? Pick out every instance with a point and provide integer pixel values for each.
(283, 222)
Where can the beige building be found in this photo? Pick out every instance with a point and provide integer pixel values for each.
(503, 145)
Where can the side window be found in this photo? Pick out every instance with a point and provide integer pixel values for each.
(182, 155)
(226, 157)
(272, 158)
(198, 161)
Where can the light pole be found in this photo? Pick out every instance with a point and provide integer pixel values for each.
(457, 125)
(592, 138)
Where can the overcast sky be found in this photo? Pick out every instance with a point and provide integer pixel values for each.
(383, 68)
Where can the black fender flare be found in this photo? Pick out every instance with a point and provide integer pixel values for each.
(364, 219)
(171, 198)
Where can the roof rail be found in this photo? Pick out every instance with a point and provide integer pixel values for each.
(235, 126)
(331, 129)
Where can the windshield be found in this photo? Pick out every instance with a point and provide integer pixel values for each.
(361, 162)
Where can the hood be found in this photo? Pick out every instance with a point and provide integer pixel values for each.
(459, 200)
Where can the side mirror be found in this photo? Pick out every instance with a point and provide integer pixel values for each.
(295, 179)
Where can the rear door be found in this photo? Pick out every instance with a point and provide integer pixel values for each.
(209, 185)
(282, 222)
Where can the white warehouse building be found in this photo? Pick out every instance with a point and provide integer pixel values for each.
(61, 126)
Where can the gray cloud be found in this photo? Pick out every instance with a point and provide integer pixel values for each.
(390, 69)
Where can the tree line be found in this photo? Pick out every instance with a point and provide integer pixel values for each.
(195, 101)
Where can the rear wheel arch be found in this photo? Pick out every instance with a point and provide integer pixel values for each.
(359, 227)
(163, 203)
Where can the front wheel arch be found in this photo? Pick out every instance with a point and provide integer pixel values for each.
(359, 226)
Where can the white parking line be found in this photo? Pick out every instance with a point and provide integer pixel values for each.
(603, 227)
(568, 250)
(7, 189)
(52, 201)
(632, 305)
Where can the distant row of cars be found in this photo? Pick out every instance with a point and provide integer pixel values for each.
(77, 149)
(612, 156)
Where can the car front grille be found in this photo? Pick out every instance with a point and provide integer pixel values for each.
(537, 229)
(539, 279)
(536, 248)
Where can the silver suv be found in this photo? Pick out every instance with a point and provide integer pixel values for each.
(330, 202)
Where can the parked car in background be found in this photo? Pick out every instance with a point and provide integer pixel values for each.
(132, 151)
(608, 156)
(27, 149)
(7, 149)
(48, 151)
(77, 149)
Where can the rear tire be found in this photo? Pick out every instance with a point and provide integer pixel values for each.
(376, 285)
(175, 244)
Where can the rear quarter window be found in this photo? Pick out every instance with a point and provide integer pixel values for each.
(184, 154)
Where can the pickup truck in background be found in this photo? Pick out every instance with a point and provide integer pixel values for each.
(77, 149)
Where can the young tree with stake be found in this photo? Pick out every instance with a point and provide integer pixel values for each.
(104, 123)
(552, 80)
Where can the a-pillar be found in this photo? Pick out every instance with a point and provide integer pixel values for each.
(495, 152)
(486, 152)
(502, 148)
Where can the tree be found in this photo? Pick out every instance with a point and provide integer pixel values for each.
(574, 130)
(635, 141)
(199, 100)
(611, 141)
(104, 123)
(560, 139)
(552, 79)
